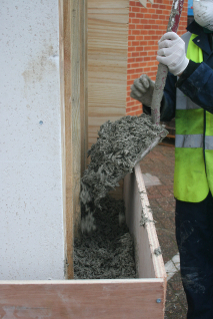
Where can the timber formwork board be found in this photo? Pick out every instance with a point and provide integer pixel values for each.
(99, 299)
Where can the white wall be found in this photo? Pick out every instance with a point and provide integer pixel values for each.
(31, 216)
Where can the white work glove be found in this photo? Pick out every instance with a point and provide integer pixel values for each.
(172, 53)
(203, 13)
(142, 89)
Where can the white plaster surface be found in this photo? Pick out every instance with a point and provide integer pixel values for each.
(31, 208)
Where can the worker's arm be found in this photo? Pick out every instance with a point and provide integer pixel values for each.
(198, 86)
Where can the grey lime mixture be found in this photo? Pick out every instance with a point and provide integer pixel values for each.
(106, 248)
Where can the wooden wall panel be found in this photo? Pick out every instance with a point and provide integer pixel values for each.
(107, 62)
(149, 265)
(82, 299)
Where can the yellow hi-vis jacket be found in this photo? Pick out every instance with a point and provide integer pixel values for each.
(193, 177)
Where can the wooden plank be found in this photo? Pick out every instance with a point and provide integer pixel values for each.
(108, 4)
(95, 299)
(76, 114)
(73, 72)
(83, 85)
(66, 106)
(107, 62)
(149, 265)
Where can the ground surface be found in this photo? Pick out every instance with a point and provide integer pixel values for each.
(160, 163)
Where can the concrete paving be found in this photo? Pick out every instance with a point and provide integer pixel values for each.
(158, 165)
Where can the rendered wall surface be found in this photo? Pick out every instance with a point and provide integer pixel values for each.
(31, 210)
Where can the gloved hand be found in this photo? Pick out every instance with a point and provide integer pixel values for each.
(142, 89)
(172, 53)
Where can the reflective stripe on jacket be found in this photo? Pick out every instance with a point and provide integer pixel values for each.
(194, 141)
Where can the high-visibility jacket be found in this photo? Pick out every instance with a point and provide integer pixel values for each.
(193, 177)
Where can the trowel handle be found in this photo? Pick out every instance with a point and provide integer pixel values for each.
(162, 72)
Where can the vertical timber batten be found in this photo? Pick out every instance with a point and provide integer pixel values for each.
(74, 115)
(83, 85)
(65, 69)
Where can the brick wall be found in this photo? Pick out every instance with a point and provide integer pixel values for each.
(146, 26)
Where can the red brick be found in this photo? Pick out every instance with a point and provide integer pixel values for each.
(135, 32)
(135, 43)
(135, 54)
(131, 37)
(139, 37)
(135, 9)
(146, 69)
(147, 26)
(132, 15)
(129, 82)
(135, 65)
(130, 71)
(131, 26)
(135, 21)
(131, 60)
(150, 24)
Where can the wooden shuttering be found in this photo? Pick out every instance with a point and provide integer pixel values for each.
(107, 62)
(73, 82)
(83, 299)
(143, 297)
(141, 225)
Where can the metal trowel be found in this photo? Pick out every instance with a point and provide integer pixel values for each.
(161, 76)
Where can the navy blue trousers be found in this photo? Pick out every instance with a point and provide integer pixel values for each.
(194, 234)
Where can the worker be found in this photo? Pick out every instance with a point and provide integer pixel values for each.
(188, 96)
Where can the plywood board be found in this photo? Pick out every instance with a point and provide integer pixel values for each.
(83, 299)
(107, 62)
(149, 265)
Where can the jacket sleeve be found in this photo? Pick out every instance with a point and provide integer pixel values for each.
(168, 103)
(199, 87)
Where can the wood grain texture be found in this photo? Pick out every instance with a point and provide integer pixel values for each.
(148, 264)
(76, 114)
(66, 110)
(83, 299)
(83, 85)
(107, 62)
